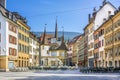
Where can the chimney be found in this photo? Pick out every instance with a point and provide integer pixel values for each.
(3, 3)
(100, 7)
(89, 18)
(104, 2)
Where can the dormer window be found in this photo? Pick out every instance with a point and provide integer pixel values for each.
(14, 18)
(10, 15)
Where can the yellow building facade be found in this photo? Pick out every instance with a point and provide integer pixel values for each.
(23, 44)
(112, 41)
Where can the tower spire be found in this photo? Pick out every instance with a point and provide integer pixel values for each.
(63, 35)
(43, 41)
(56, 29)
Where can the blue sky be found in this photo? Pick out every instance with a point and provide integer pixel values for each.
(71, 14)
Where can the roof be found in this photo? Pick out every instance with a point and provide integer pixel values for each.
(11, 15)
(112, 16)
(75, 39)
(62, 47)
(47, 38)
(5, 13)
(99, 10)
(53, 47)
(33, 36)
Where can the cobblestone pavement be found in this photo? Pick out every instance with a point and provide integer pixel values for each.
(57, 75)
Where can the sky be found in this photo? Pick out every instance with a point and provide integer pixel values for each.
(72, 15)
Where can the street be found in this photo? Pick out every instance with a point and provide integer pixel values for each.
(57, 75)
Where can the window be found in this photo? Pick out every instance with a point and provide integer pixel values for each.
(12, 39)
(99, 43)
(118, 22)
(10, 51)
(27, 39)
(62, 54)
(22, 48)
(30, 49)
(96, 45)
(115, 63)
(30, 40)
(53, 54)
(13, 18)
(22, 37)
(102, 42)
(22, 29)
(19, 47)
(34, 50)
(15, 40)
(12, 27)
(10, 15)
(27, 49)
(19, 35)
(109, 12)
(14, 52)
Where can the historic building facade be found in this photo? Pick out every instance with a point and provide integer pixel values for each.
(34, 50)
(97, 19)
(90, 44)
(8, 40)
(96, 48)
(112, 37)
(53, 50)
(101, 46)
(81, 52)
(23, 41)
(73, 46)
(86, 47)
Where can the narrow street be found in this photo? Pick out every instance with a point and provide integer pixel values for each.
(57, 75)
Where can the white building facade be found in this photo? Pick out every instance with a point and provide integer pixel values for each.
(98, 18)
(33, 50)
(8, 40)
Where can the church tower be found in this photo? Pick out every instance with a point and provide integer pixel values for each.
(44, 36)
(3, 3)
(56, 30)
